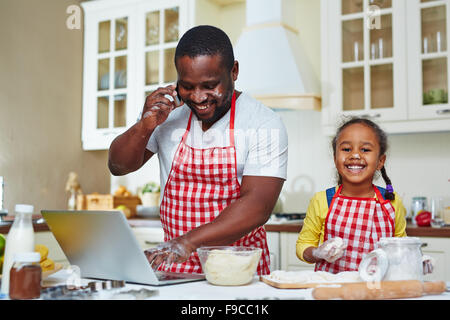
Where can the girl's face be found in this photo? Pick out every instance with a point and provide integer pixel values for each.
(357, 155)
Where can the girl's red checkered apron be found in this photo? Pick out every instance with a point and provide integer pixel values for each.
(360, 222)
(201, 183)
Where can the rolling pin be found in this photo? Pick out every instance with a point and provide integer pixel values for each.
(381, 290)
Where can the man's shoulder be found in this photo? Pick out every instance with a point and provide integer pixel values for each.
(255, 113)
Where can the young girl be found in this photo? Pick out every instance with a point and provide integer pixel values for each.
(350, 218)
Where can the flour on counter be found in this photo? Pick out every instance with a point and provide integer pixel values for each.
(312, 276)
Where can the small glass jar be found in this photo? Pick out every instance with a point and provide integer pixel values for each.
(418, 204)
(25, 276)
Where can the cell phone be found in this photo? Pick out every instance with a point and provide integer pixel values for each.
(177, 98)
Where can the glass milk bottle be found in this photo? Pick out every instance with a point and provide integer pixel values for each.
(20, 239)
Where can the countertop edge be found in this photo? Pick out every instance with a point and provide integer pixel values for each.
(411, 230)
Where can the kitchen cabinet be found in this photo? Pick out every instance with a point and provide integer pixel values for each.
(288, 257)
(439, 249)
(273, 243)
(374, 63)
(129, 48)
(428, 56)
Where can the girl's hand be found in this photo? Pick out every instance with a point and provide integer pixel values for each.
(331, 250)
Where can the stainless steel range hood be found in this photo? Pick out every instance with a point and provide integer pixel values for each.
(272, 65)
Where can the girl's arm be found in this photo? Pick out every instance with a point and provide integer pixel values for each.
(313, 228)
(400, 216)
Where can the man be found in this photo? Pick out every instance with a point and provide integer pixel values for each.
(222, 155)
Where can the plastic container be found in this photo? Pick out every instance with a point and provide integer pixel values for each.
(20, 239)
(25, 276)
(229, 265)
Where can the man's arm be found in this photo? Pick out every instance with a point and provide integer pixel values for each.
(128, 152)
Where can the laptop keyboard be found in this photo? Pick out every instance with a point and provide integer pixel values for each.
(164, 276)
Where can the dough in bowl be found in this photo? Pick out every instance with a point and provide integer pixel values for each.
(229, 268)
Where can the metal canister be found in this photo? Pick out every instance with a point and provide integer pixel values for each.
(418, 204)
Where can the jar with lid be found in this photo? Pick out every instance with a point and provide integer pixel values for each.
(396, 258)
(418, 204)
(25, 276)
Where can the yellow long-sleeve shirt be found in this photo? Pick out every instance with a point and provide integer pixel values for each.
(312, 232)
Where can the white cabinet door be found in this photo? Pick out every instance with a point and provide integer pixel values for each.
(273, 243)
(386, 61)
(439, 249)
(366, 59)
(129, 48)
(288, 256)
(428, 58)
(161, 23)
(108, 97)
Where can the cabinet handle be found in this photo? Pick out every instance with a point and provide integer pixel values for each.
(371, 116)
(423, 245)
(443, 111)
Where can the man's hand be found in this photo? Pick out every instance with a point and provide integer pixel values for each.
(176, 250)
(157, 106)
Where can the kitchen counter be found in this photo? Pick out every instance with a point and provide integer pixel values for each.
(38, 226)
(202, 290)
(411, 230)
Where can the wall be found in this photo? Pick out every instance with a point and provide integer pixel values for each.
(40, 104)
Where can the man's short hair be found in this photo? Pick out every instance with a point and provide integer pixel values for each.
(206, 40)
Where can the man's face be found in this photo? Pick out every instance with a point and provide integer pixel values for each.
(206, 86)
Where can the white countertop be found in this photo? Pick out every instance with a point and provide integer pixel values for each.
(202, 290)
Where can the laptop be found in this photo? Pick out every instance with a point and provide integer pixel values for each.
(103, 246)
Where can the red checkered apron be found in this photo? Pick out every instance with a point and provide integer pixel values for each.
(360, 222)
(202, 183)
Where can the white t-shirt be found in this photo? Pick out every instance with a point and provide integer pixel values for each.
(260, 139)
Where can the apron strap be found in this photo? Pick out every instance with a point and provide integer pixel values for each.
(384, 203)
(186, 132)
(335, 194)
(330, 195)
(232, 117)
(382, 192)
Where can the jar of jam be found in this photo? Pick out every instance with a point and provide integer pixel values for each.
(25, 276)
